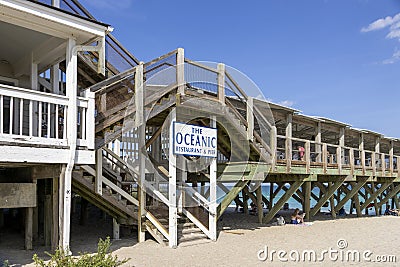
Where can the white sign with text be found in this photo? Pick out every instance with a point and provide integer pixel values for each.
(193, 140)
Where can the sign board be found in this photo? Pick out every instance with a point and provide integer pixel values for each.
(193, 140)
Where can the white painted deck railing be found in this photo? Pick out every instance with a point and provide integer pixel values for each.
(36, 118)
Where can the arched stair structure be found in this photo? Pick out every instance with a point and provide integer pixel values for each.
(139, 180)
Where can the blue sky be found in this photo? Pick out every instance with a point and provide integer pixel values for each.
(332, 58)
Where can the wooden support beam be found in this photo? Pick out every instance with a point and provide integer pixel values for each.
(307, 198)
(332, 204)
(308, 156)
(288, 194)
(98, 183)
(288, 143)
(361, 148)
(55, 197)
(142, 154)
(260, 209)
(373, 188)
(212, 222)
(355, 188)
(318, 141)
(180, 70)
(238, 202)
(329, 193)
(271, 195)
(375, 195)
(28, 228)
(295, 197)
(250, 195)
(391, 194)
(230, 197)
(245, 198)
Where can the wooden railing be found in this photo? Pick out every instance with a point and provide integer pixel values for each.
(329, 156)
(37, 118)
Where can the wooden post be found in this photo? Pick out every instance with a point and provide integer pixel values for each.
(98, 181)
(282, 201)
(308, 156)
(250, 118)
(273, 146)
(327, 195)
(288, 145)
(352, 161)
(260, 209)
(47, 220)
(339, 158)
(71, 92)
(180, 71)
(245, 202)
(383, 164)
(318, 141)
(271, 196)
(362, 152)
(141, 126)
(307, 199)
(55, 198)
(332, 203)
(116, 229)
(325, 157)
(28, 228)
(212, 222)
(356, 201)
(391, 158)
(374, 195)
(221, 83)
(173, 234)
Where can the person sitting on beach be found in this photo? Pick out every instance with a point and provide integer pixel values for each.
(296, 218)
(253, 210)
(393, 212)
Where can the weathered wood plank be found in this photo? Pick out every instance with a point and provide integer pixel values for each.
(17, 195)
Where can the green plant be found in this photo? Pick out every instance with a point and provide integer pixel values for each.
(103, 258)
(5, 263)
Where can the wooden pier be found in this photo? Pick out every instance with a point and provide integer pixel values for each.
(116, 149)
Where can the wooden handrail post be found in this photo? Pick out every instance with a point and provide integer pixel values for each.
(99, 172)
(373, 159)
(339, 158)
(221, 83)
(352, 161)
(325, 156)
(250, 118)
(273, 145)
(180, 70)
(288, 143)
(308, 156)
(391, 158)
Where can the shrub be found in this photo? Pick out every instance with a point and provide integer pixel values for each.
(102, 258)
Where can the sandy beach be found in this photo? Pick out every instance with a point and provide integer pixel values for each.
(241, 239)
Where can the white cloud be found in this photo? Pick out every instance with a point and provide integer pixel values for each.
(381, 23)
(394, 33)
(395, 57)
